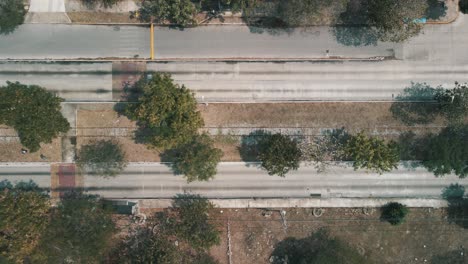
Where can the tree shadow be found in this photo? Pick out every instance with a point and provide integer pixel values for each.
(436, 10)
(251, 145)
(415, 105)
(318, 247)
(457, 210)
(412, 149)
(451, 257)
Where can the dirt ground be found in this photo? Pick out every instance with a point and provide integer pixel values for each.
(10, 149)
(107, 124)
(100, 17)
(355, 117)
(424, 235)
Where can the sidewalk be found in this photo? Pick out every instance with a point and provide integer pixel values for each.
(47, 11)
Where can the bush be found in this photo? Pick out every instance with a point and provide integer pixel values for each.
(394, 213)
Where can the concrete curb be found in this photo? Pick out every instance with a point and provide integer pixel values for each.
(300, 202)
(239, 59)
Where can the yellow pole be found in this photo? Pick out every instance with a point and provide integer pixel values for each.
(152, 42)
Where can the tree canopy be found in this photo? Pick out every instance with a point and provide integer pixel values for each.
(103, 158)
(179, 12)
(279, 154)
(394, 213)
(80, 230)
(396, 20)
(454, 103)
(11, 15)
(24, 211)
(197, 159)
(316, 248)
(33, 112)
(372, 153)
(447, 152)
(192, 221)
(166, 112)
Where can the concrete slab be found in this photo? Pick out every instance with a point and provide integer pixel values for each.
(47, 6)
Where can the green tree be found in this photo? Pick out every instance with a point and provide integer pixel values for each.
(372, 153)
(80, 230)
(103, 158)
(395, 20)
(197, 159)
(24, 213)
(11, 15)
(447, 152)
(454, 103)
(316, 248)
(192, 223)
(33, 112)
(166, 112)
(279, 154)
(179, 12)
(394, 213)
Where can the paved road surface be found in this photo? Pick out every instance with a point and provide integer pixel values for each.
(40, 41)
(438, 43)
(246, 82)
(236, 180)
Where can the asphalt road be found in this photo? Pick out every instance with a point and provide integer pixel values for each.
(236, 180)
(49, 41)
(244, 81)
(437, 43)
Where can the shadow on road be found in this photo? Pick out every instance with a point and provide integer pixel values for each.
(415, 105)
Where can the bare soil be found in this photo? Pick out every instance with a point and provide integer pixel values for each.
(372, 118)
(107, 124)
(100, 17)
(425, 234)
(10, 149)
(353, 116)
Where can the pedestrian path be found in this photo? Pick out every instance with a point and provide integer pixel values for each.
(47, 11)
